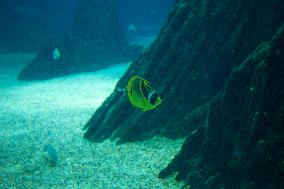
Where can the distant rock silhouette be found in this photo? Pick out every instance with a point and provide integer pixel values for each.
(97, 35)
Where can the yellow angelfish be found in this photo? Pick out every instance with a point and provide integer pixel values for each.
(141, 94)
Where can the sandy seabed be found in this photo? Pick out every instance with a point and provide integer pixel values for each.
(54, 112)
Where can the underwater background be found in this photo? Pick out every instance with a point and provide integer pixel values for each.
(142, 94)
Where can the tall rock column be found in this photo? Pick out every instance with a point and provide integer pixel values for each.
(97, 35)
(188, 64)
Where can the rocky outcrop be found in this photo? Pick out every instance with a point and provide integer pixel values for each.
(96, 41)
(188, 64)
(242, 144)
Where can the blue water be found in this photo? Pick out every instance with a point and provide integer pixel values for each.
(27, 23)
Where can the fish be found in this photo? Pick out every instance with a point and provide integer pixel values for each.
(132, 28)
(51, 154)
(141, 95)
(56, 54)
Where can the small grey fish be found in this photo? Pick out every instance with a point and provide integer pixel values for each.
(51, 154)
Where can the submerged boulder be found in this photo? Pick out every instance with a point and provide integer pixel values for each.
(242, 145)
(96, 40)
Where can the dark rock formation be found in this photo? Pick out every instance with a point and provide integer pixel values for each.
(96, 41)
(188, 64)
(243, 144)
(232, 120)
